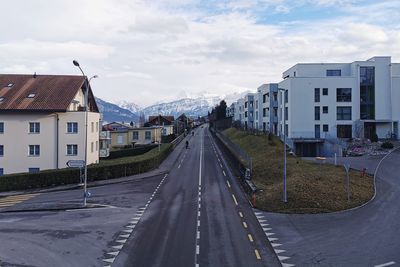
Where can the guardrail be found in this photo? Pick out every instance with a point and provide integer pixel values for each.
(177, 140)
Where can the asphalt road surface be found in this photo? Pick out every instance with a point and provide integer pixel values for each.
(194, 215)
(368, 236)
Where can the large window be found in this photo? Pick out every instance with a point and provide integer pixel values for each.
(343, 94)
(333, 72)
(1, 171)
(324, 91)
(344, 131)
(316, 94)
(317, 130)
(286, 113)
(34, 150)
(34, 127)
(135, 135)
(343, 113)
(325, 109)
(34, 170)
(72, 150)
(325, 128)
(1, 127)
(147, 135)
(1, 150)
(265, 98)
(317, 113)
(367, 93)
(286, 96)
(72, 127)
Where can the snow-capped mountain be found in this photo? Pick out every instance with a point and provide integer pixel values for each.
(193, 107)
(112, 112)
(132, 107)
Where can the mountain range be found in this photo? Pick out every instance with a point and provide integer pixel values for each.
(124, 111)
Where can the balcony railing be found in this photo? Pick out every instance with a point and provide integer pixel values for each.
(105, 135)
(104, 153)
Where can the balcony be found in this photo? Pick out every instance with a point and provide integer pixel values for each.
(104, 153)
(105, 135)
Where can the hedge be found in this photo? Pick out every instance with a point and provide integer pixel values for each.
(96, 172)
(130, 152)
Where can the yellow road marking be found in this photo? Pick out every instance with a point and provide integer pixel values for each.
(257, 254)
(13, 200)
(240, 214)
(250, 237)
(244, 224)
(234, 199)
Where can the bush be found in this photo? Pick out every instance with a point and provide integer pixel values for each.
(130, 152)
(117, 169)
(374, 138)
(387, 145)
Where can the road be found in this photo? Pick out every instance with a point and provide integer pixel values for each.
(194, 215)
(367, 236)
(199, 218)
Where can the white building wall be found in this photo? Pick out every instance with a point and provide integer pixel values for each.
(16, 140)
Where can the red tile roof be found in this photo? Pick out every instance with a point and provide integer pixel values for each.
(51, 92)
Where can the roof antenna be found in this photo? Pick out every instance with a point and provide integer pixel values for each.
(34, 75)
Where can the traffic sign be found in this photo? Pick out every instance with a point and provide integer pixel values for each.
(76, 163)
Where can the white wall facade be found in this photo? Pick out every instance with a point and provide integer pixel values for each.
(16, 140)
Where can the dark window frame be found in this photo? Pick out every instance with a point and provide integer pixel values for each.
(343, 95)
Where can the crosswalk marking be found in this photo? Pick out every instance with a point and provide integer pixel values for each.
(13, 200)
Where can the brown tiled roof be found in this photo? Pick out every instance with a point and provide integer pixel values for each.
(168, 118)
(52, 92)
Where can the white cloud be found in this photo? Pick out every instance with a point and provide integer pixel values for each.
(149, 51)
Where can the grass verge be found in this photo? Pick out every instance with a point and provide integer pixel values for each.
(311, 187)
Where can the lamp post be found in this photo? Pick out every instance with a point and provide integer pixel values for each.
(284, 145)
(87, 81)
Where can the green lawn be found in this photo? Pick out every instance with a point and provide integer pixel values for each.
(311, 187)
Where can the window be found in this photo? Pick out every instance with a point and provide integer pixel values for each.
(325, 128)
(316, 95)
(264, 112)
(324, 91)
(92, 127)
(72, 150)
(120, 139)
(1, 171)
(34, 127)
(325, 109)
(264, 98)
(286, 113)
(256, 115)
(1, 150)
(245, 104)
(34, 150)
(343, 113)
(31, 95)
(317, 113)
(1, 127)
(275, 96)
(317, 130)
(97, 126)
(34, 170)
(343, 94)
(286, 96)
(92, 147)
(97, 145)
(147, 135)
(245, 114)
(135, 135)
(72, 127)
(256, 104)
(344, 131)
(333, 72)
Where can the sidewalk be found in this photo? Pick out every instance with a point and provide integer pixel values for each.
(164, 167)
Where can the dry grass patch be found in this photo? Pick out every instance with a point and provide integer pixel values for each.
(311, 187)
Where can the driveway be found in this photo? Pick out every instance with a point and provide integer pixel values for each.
(367, 236)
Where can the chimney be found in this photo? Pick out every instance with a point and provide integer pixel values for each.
(34, 75)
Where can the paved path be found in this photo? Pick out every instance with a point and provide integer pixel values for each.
(367, 236)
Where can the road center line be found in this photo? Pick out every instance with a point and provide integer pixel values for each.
(229, 185)
(234, 199)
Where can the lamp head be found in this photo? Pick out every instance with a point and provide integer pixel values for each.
(76, 63)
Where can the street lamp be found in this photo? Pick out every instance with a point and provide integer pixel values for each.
(284, 146)
(87, 81)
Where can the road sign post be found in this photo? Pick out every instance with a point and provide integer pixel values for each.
(80, 164)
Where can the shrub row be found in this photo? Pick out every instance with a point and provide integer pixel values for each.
(47, 178)
(130, 152)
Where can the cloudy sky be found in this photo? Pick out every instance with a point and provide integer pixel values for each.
(158, 50)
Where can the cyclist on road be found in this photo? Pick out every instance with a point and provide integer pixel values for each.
(187, 144)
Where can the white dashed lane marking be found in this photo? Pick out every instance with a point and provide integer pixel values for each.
(123, 237)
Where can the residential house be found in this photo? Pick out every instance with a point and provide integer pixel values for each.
(166, 122)
(42, 122)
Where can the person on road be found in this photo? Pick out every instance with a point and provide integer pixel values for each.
(187, 144)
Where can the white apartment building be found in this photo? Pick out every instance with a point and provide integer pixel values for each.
(327, 103)
(267, 95)
(42, 122)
